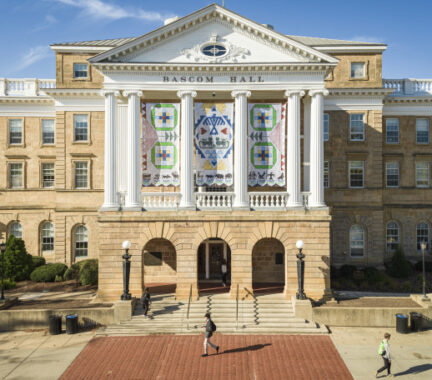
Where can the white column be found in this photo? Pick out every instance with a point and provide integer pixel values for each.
(110, 184)
(186, 158)
(133, 185)
(207, 260)
(316, 198)
(293, 148)
(241, 198)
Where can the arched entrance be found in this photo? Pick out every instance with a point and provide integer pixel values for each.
(159, 266)
(211, 254)
(268, 266)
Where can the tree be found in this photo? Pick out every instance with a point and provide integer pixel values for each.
(18, 263)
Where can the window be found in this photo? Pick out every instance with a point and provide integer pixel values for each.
(214, 50)
(326, 174)
(392, 174)
(392, 131)
(80, 70)
(422, 131)
(81, 175)
(357, 70)
(16, 175)
(81, 242)
(279, 258)
(356, 169)
(356, 241)
(80, 127)
(326, 127)
(392, 236)
(47, 131)
(356, 127)
(15, 229)
(48, 175)
(422, 235)
(47, 237)
(422, 174)
(15, 131)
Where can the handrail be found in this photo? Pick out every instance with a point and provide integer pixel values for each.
(237, 305)
(188, 308)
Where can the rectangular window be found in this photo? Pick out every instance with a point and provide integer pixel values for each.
(15, 131)
(47, 131)
(80, 70)
(80, 127)
(16, 175)
(81, 175)
(357, 70)
(392, 131)
(356, 127)
(326, 127)
(392, 174)
(326, 174)
(356, 173)
(48, 175)
(422, 131)
(422, 174)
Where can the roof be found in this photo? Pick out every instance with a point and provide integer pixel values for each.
(114, 42)
(317, 41)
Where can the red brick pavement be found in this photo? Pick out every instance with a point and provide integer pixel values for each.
(175, 357)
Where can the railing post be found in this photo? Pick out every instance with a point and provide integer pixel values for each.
(237, 306)
(188, 308)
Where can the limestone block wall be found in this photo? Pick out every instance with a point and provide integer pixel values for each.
(264, 267)
(166, 271)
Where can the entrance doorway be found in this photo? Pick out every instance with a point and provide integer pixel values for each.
(211, 254)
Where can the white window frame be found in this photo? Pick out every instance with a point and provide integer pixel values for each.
(47, 237)
(389, 121)
(417, 164)
(350, 164)
(417, 131)
(87, 163)
(326, 126)
(356, 76)
(352, 125)
(43, 174)
(77, 70)
(80, 241)
(326, 174)
(10, 181)
(387, 173)
(75, 117)
(11, 226)
(10, 143)
(44, 121)
(423, 239)
(362, 241)
(393, 240)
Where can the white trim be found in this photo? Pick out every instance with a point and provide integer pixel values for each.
(79, 49)
(407, 109)
(352, 49)
(353, 103)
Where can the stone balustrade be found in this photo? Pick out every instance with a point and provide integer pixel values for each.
(409, 86)
(25, 87)
(213, 200)
(264, 200)
(160, 201)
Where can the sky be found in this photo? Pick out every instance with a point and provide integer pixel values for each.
(28, 27)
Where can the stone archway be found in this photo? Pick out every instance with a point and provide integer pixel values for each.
(268, 266)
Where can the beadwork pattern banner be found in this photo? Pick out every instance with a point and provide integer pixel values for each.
(266, 144)
(160, 144)
(214, 143)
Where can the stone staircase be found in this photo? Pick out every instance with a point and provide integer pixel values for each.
(264, 314)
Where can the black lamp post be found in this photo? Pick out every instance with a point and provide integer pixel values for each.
(2, 249)
(423, 249)
(300, 271)
(126, 271)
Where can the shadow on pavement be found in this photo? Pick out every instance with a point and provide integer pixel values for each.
(415, 370)
(248, 348)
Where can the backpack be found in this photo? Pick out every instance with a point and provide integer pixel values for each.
(213, 326)
(381, 349)
(145, 298)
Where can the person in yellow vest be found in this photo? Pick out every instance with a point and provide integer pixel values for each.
(384, 351)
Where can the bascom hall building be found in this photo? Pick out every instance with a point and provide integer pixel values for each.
(217, 138)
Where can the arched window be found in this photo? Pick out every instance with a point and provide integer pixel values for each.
(80, 241)
(15, 229)
(357, 240)
(393, 236)
(47, 237)
(422, 235)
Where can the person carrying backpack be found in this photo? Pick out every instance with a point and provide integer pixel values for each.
(210, 328)
(145, 299)
(384, 351)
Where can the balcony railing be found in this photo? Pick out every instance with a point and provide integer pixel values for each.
(25, 87)
(214, 200)
(404, 87)
(267, 200)
(160, 201)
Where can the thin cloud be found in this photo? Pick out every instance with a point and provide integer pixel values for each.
(35, 54)
(49, 20)
(99, 9)
(370, 39)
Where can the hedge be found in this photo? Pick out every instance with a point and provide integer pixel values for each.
(38, 261)
(84, 272)
(48, 272)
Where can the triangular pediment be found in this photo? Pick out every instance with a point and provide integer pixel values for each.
(213, 35)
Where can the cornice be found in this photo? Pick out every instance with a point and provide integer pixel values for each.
(62, 92)
(381, 92)
(408, 99)
(27, 99)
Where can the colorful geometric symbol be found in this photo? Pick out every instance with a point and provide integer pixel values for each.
(263, 155)
(263, 117)
(164, 117)
(164, 155)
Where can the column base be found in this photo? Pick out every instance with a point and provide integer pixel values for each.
(317, 205)
(110, 207)
(190, 206)
(241, 206)
(295, 205)
(132, 208)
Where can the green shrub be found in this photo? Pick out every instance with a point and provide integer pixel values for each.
(48, 272)
(58, 278)
(38, 261)
(406, 286)
(348, 284)
(9, 284)
(89, 272)
(72, 273)
(419, 266)
(347, 270)
(400, 267)
(18, 263)
(374, 276)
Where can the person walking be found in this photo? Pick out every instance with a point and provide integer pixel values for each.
(224, 272)
(384, 351)
(210, 327)
(145, 299)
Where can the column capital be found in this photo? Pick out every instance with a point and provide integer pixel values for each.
(237, 93)
(106, 92)
(127, 93)
(299, 93)
(321, 91)
(183, 93)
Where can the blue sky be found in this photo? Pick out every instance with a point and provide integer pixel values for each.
(28, 27)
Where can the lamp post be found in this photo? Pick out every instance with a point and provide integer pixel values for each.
(126, 271)
(423, 249)
(300, 271)
(2, 249)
